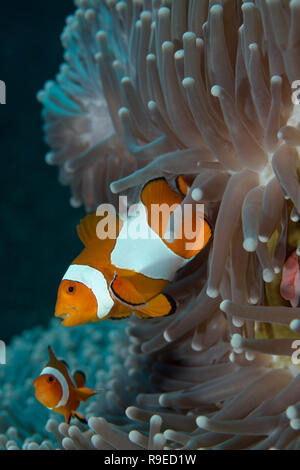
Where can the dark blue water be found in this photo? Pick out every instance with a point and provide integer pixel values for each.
(38, 236)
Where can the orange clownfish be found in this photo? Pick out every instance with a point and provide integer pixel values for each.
(56, 390)
(113, 277)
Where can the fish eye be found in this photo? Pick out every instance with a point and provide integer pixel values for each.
(50, 379)
(71, 289)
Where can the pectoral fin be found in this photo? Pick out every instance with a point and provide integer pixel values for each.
(160, 306)
(126, 293)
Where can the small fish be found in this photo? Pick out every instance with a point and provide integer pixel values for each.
(290, 280)
(113, 277)
(56, 390)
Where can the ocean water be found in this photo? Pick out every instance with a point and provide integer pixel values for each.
(38, 236)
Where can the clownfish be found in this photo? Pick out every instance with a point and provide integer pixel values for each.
(290, 281)
(113, 277)
(56, 390)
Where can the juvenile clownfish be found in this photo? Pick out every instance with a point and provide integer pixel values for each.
(56, 390)
(112, 278)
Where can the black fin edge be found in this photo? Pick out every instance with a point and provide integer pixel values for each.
(172, 303)
(183, 196)
(151, 181)
(178, 186)
(120, 298)
(82, 420)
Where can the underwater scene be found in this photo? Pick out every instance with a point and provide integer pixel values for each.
(150, 206)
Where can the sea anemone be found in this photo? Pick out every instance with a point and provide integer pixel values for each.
(201, 89)
(22, 417)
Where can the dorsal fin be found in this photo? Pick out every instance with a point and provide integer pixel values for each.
(52, 356)
(92, 227)
(156, 193)
(87, 229)
(79, 378)
(181, 186)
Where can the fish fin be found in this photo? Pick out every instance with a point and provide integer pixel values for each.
(158, 191)
(119, 313)
(79, 378)
(125, 292)
(92, 226)
(80, 417)
(126, 315)
(67, 416)
(155, 193)
(84, 393)
(181, 186)
(142, 315)
(160, 306)
(200, 231)
(52, 356)
(87, 229)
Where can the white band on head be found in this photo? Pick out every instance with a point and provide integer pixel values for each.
(64, 384)
(94, 280)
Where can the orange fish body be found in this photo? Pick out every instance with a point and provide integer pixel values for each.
(113, 277)
(56, 390)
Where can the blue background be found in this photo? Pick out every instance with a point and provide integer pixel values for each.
(38, 227)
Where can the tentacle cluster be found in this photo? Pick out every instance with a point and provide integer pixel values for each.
(203, 89)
